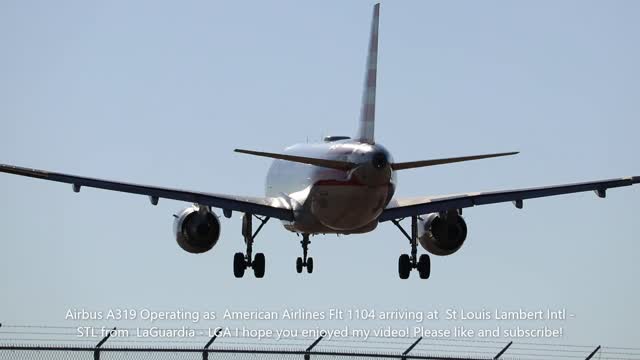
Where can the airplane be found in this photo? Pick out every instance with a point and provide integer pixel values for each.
(340, 186)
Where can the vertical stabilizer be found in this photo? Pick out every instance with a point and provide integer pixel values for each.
(368, 109)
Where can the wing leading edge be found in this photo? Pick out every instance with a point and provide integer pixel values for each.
(423, 205)
(272, 207)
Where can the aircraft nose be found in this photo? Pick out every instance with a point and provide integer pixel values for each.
(379, 160)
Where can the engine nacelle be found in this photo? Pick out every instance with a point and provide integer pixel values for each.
(442, 233)
(196, 229)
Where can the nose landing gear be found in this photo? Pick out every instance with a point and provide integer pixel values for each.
(304, 261)
(406, 262)
(242, 261)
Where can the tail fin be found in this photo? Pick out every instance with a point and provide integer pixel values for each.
(368, 109)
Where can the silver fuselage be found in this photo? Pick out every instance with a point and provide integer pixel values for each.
(334, 201)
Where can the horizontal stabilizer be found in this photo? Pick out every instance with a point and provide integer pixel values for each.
(423, 163)
(332, 164)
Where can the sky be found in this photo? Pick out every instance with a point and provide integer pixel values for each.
(161, 92)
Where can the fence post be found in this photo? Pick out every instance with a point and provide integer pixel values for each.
(502, 351)
(404, 354)
(96, 352)
(307, 356)
(593, 353)
(205, 353)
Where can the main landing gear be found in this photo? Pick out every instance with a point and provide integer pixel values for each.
(406, 262)
(243, 261)
(304, 261)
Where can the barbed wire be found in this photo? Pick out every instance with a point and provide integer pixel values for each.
(56, 334)
(353, 351)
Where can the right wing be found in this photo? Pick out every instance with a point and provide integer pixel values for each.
(400, 208)
(266, 206)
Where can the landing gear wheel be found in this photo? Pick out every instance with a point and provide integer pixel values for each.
(310, 265)
(404, 266)
(299, 265)
(239, 265)
(424, 266)
(242, 261)
(304, 261)
(258, 265)
(407, 262)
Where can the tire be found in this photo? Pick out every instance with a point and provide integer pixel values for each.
(239, 265)
(259, 265)
(299, 265)
(424, 266)
(404, 266)
(310, 265)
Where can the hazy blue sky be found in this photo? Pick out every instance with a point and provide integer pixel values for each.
(161, 92)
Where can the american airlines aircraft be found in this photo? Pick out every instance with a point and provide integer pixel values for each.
(340, 186)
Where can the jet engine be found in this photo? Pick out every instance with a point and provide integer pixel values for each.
(197, 229)
(442, 233)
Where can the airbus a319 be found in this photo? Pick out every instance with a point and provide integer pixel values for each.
(340, 186)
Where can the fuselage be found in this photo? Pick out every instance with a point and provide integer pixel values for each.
(334, 201)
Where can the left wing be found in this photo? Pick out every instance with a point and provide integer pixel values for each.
(272, 207)
(400, 208)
